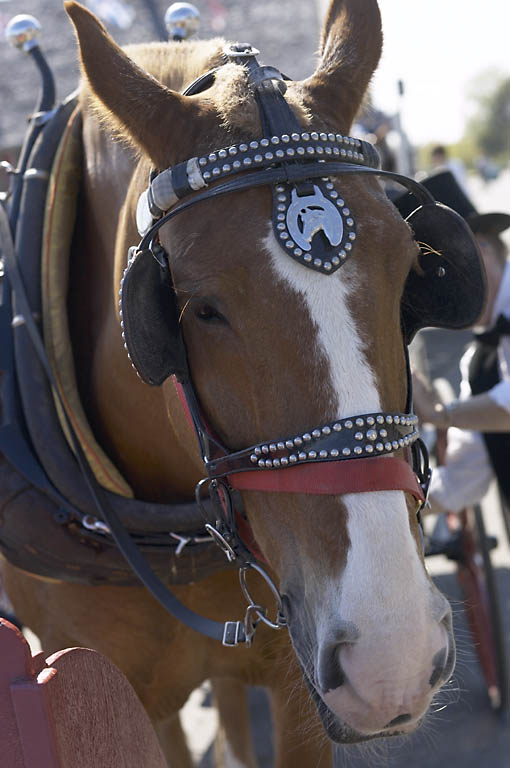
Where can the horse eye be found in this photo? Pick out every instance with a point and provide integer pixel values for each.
(207, 313)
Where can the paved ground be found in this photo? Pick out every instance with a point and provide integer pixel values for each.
(465, 734)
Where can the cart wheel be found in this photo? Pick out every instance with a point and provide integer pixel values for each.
(478, 582)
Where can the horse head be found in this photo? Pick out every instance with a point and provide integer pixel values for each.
(276, 349)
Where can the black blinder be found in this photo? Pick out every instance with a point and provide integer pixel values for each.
(450, 291)
(150, 319)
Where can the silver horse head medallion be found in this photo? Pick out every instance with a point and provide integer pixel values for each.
(316, 228)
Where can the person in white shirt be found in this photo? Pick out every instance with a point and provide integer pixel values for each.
(478, 422)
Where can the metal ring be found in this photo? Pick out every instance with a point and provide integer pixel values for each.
(280, 618)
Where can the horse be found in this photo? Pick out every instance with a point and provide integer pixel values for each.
(272, 347)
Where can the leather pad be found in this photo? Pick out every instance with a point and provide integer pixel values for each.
(450, 292)
(151, 321)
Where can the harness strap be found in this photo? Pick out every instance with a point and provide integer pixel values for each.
(334, 478)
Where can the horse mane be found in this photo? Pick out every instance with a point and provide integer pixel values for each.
(176, 66)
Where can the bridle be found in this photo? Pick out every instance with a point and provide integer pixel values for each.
(310, 462)
(343, 456)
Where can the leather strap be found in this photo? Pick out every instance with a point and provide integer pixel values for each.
(334, 478)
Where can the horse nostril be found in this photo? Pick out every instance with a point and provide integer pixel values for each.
(400, 720)
(438, 666)
(330, 674)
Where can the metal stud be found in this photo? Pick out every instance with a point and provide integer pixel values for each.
(298, 252)
(226, 168)
(254, 144)
(275, 140)
(396, 419)
(389, 419)
(395, 445)
(370, 420)
(236, 164)
(307, 257)
(358, 436)
(272, 447)
(337, 427)
(380, 419)
(269, 463)
(334, 452)
(387, 447)
(280, 446)
(307, 437)
(305, 136)
(291, 152)
(282, 225)
(371, 434)
(285, 138)
(326, 430)
(317, 262)
(261, 463)
(295, 136)
(282, 208)
(298, 441)
(292, 458)
(352, 236)
(342, 254)
(212, 158)
(276, 462)
(269, 155)
(334, 194)
(323, 454)
(290, 244)
(327, 266)
(207, 175)
(348, 424)
(222, 153)
(319, 149)
(202, 161)
(300, 150)
(316, 433)
(280, 153)
(379, 447)
(312, 454)
(257, 451)
(284, 462)
(284, 235)
(282, 198)
(350, 222)
(264, 142)
(258, 158)
(281, 217)
(336, 151)
(301, 456)
(232, 150)
(369, 448)
(243, 148)
(358, 449)
(265, 448)
(247, 161)
(310, 150)
(314, 136)
(289, 444)
(335, 260)
(346, 451)
(383, 433)
(360, 423)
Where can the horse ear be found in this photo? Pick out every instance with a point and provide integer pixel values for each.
(129, 101)
(350, 49)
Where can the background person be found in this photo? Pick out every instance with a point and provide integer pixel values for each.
(479, 438)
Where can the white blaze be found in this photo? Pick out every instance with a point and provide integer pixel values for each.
(382, 552)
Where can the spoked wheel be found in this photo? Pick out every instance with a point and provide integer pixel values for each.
(478, 582)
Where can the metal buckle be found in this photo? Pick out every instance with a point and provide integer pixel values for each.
(221, 541)
(233, 634)
(92, 523)
(240, 50)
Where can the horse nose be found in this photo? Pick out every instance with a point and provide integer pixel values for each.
(329, 670)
